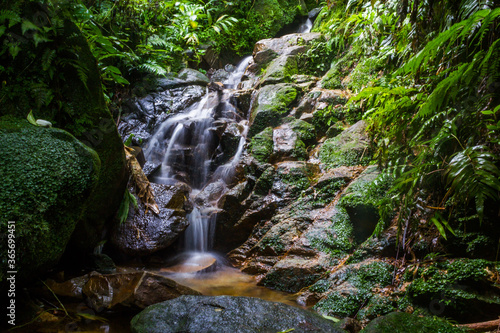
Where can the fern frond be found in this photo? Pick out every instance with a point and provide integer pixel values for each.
(153, 68)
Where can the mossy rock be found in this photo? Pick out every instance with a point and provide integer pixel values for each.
(353, 286)
(362, 200)
(458, 289)
(335, 240)
(349, 148)
(261, 146)
(304, 130)
(280, 70)
(47, 176)
(69, 94)
(272, 103)
(402, 322)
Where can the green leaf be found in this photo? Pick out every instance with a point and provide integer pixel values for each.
(335, 320)
(439, 226)
(27, 25)
(31, 118)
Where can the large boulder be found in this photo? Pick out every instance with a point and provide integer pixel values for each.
(226, 314)
(145, 232)
(47, 177)
(68, 93)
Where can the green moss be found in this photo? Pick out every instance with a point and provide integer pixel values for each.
(363, 280)
(401, 322)
(304, 131)
(47, 174)
(456, 289)
(342, 304)
(298, 178)
(377, 306)
(336, 240)
(320, 286)
(335, 154)
(272, 104)
(261, 146)
(333, 78)
(273, 243)
(265, 182)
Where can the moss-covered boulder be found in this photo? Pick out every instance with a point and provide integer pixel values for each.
(361, 201)
(402, 322)
(68, 93)
(47, 175)
(351, 287)
(351, 147)
(271, 104)
(462, 289)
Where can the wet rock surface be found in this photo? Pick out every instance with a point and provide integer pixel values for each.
(227, 314)
(139, 290)
(144, 232)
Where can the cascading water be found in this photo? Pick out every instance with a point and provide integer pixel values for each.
(306, 26)
(185, 145)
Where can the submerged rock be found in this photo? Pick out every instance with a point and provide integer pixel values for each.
(226, 314)
(144, 233)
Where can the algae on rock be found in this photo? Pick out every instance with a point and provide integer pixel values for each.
(47, 175)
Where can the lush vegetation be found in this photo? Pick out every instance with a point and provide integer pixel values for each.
(426, 75)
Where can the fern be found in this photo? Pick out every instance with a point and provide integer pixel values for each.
(152, 67)
(473, 174)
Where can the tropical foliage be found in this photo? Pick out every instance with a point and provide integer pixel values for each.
(427, 77)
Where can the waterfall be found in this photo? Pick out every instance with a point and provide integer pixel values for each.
(306, 26)
(185, 145)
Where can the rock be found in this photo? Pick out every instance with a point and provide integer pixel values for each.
(286, 145)
(350, 288)
(287, 44)
(232, 208)
(70, 288)
(261, 146)
(216, 86)
(143, 116)
(100, 263)
(293, 273)
(210, 193)
(226, 314)
(349, 148)
(280, 70)
(350, 325)
(139, 290)
(230, 140)
(193, 77)
(271, 104)
(142, 233)
(313, 13)
(293, 177)
(402, 322)
(47, 179)
(361, 204)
